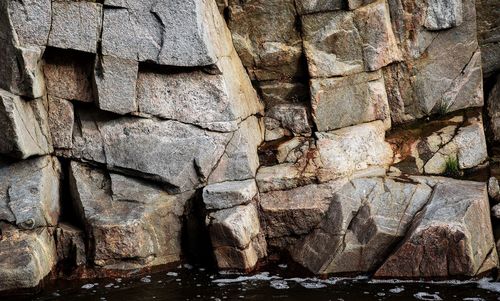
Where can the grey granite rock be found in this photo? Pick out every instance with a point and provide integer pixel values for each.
(61, 120)
(229, 194)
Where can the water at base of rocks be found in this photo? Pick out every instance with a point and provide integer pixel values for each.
(188, 283)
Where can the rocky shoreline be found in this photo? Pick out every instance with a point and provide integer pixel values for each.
(348, 137)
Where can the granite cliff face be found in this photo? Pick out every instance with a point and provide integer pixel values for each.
(347, 136)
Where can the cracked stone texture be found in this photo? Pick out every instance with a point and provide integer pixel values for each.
(24, 29)
(452, 236)
(131, 224)
(178, 154)
(115, 82)
(229, 194)
(347, 150)
(442, 69)
(428, 148)
(217, 102)
(26, 257)
(61, 119)
(364, 219)
(152, 31)
(24, 127)
(75, 25)
(343, 42)
(291, 117)
(268, 51)
(288, 215)
(30, 192)
(494, 109)
(315, 6)
(344, 101)
(236, 237)
(488, 23)
(70, 245)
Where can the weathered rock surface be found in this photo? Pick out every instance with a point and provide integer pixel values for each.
(153, 31)
(494, 109)
(291, 214)
(26, 257)
(75, 25)
(314, 6)
(277, 92)
(443, 14)
(347, 150)
(441, 145)
(441, 72)
(24, 124)
(24, 29)
(61, 119)
(229, 194)
(69, 76)
(134, 226)
(268, 51)
(451, 237)
(30, 192)
(115, 82)
(293, 118)
(236, 237)
(70, 245)
(345, 101)
(488, 29)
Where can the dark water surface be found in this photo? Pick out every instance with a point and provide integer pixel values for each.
(189, 283)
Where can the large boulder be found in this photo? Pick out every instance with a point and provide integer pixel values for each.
(30, 192)
(26, 257)
(24, 124)
(130, 224)
(451, 237)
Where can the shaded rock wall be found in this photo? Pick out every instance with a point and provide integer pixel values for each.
(318, 131)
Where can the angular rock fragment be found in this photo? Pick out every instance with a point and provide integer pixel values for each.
(61, 120)
(488, 34)
(162, 31)
(268, 51)
(24, 29)
(364, 220)
(443, 14)
(284, 176)
(494, 109)
(451, 237)
(75, 25)
(229, 194)
(379, 43)
(332, 44)
(24, 124)
(115, 84)
(127, 230)
(292, 117)
(30, 192)
(276, 92)
(291, 214)
(236, 237)
(26, 257)
(240, 159)
(353, 4)
(70, 245)
(345, 101)
(347, 150)
(68, 75)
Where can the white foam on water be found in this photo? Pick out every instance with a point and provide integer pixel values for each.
(473, 299)
(427, 296)
(397, 290)
(279, 284)
(264, 276)
(487, 284)
(146, 279)
(88, 286)
(172, 274)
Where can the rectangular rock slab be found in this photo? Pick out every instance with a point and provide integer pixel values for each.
(346, 101)
(332, 44)
(30, 192)
(452, 237)
(75, 25)
(61, 121)
(24, 124)
(352, 149)
(115, 82)
(316, 6)
(229, 194)
(26, 257)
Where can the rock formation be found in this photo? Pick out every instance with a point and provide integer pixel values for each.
(136, 133)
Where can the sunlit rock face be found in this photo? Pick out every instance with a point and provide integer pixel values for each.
(321, 132)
